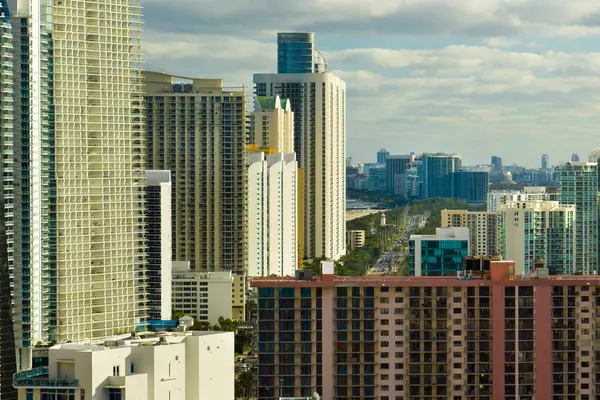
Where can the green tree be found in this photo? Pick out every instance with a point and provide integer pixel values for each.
(244, 385)
(176, 315)
(404, 270)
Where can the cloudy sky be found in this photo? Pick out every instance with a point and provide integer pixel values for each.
(514, 78)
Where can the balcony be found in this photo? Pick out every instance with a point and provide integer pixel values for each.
(38, 378)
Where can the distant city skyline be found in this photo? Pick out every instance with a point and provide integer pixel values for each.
(516, 79)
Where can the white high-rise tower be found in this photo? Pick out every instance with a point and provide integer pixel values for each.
(318, 101)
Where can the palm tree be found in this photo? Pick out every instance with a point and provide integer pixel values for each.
(244, 385)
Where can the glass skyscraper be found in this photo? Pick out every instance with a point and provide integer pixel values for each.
(435, 174)
(471, 186)
(297, 54)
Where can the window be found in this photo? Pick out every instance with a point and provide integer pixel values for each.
(385, 311)
(116, 370)
(385, 333)
(385, 355)
(385, 289)
(385, 377)
(399, 299)
(385, 366)
(385, 322)
(385, 344)
(384, 300)
(114, 394)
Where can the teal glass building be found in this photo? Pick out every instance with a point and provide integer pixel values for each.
(297, 54)
(438, 255)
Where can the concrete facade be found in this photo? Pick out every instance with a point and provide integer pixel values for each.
(183, 366)
(204, 296)
(530, 231)
(157, 277)
(318, 101)
(499, 337)
(483, 229)
(272, 214)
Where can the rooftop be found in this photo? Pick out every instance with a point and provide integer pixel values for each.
(419, 281)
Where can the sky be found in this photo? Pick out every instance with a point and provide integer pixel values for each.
(513, 78)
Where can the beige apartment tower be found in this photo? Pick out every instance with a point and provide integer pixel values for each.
(79, 241)
(483, 229)
(196, 129)
(318, 101)
(273, 124)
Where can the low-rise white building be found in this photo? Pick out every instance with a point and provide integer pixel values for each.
(175, 366)
(205, 296)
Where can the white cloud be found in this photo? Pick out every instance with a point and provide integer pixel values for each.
(476, 100)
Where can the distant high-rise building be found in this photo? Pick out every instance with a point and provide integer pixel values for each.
(273, 124)
(396, 167)
(376, 180)
(78, 233)
(440, 254)
(382, 155)
(483, 229)
(436, 174)
(157, 279)
(595, 157)
(496, 163)
(545, 164)
(298, 54)
(318, 100)
(538, 231)
(272, 214)
(578, 183)
(471, 186)
(497, 198)
(575, 157)
(206, 154)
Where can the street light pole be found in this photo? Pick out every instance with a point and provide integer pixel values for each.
(280, 388)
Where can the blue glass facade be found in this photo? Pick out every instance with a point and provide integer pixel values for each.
(437, 257)
(471, 186)
(435, 174)
(297, 54)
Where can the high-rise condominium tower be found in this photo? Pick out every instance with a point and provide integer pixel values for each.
(273, 124)
(382, 155)
(545, 163)
(196, 129)
(318, 101)
(157, 279)
(78, 216)
(496, 163)
(533, 231)
(578, 183)
(7, 339)
(272, 214)
(483, 229)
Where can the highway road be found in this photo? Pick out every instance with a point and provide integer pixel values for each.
(384, 264)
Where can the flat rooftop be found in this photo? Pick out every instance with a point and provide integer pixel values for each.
(420, 281)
